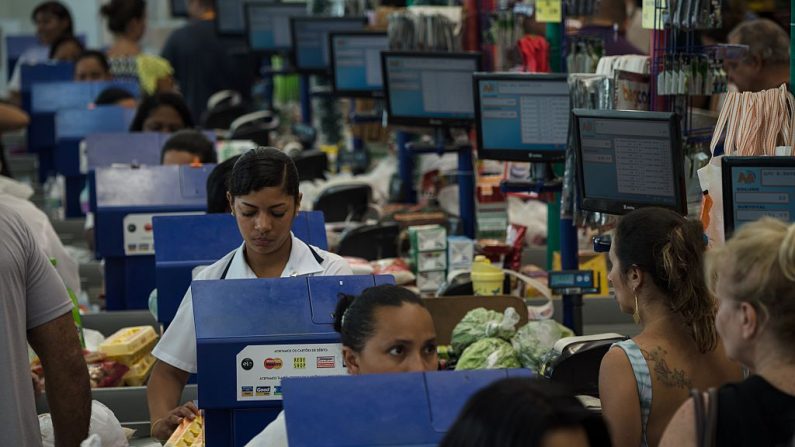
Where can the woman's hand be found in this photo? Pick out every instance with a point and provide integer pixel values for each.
(164, 427)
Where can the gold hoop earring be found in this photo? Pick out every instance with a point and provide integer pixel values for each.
(636, 314)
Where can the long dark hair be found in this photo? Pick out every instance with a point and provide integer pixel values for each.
(670, 249)
(519, 412)
(120, 13)
(58, 10)
(354, 317)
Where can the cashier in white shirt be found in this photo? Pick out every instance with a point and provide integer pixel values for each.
(264, 198)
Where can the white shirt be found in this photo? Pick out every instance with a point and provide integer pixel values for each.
(14, 195)
(274, 435)
(178, 345)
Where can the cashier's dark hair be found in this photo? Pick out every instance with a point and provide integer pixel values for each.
(167, 99)
(264, 167)
(517, 411)
(670, 249)
(218, 184)
(354, 315)
(193, 142)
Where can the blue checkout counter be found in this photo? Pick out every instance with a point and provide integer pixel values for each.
(124, 201)
(186, 242)
(251, 333)
(130, 148)
(411, 409)
(18, 44)
(41, 73)
(71, 127)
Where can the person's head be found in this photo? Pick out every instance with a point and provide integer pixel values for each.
(264, 198)
(126, 18)
(218, 184)
(766, 65)
(612, 11)
(386, 329)
(753, 277)
(66, 48)
(116, 96)
(656, 262)
(188, 146)
(92, 65)
(526, 412)
(198, 8)
(52, 20)
(162, 112)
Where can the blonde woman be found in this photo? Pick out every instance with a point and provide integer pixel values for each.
(753, 276)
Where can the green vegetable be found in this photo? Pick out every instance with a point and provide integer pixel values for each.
(489, 353)
(534, 342)
(481, 323)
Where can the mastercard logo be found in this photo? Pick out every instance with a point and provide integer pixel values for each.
(273, 363)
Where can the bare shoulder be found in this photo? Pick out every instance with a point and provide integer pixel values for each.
(681, 431)
(618, 392)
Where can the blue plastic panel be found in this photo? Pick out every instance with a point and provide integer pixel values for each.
(54, 96)
(410, 409)
(185, 242)
(77, 123)
(148, 187)
(45, 72)
(139, 148)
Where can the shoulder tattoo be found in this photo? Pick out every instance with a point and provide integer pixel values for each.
(670, 377)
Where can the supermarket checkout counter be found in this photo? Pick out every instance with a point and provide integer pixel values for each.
(102, 150)
(124, 200)
(251, 333)
(411, 409)
(187, 242)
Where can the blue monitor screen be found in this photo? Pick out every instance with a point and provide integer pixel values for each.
(311, 39)
(430, 87)
(269, 25)
(524, 115)
(628, 161)
(357, 61)
(762, 191)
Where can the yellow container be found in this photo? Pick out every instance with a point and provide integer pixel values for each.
(487, 279)
(129, 345)
(139, 372)
(188, 434)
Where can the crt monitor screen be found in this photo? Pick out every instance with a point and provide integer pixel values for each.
(521, 117)
(754, 187)
(310, 39)
(179, 8)
(268, 25)
(429, 89)
(356, 63)
(629, 160)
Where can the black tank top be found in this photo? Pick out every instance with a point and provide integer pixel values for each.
(754, 413)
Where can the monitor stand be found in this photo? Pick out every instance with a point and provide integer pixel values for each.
(543, 180)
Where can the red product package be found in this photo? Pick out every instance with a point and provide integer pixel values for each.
(106, 374)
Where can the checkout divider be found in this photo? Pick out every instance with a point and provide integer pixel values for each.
(186, 242)
(71, 126)
(103, 150)
(42, 73)
(46, 99)
(124, 200)
(410, 409)
(251, 333)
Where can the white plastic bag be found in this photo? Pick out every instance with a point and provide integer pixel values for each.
(104, 426)
(712, 205)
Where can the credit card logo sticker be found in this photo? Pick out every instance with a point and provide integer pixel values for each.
(299, 363)
(263, 391)
(247, 391)
(325, 362)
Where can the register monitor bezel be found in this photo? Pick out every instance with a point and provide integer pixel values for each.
(421, 121)
(353, 93)
(621, 207)
(729, 162)
(555, 153)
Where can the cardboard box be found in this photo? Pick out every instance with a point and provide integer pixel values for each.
(460, 252)
(431, 281)
(428, 238)
(430, 260)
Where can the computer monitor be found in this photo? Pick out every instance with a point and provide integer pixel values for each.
(628, 160)
(754, 187)
(521, 116)
(310, 40)
(428, 88)
(230, 17)
(268, 25)
(179, 8)
(356, 63)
